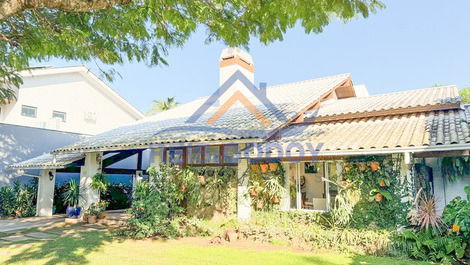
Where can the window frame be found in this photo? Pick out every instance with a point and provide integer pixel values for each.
(64, 119)
(30, 108)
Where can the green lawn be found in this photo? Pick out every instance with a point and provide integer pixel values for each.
(100, 248)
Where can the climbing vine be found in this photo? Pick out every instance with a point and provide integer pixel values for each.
(372, 193)
(266, 185)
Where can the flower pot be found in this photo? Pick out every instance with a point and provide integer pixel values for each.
(378, 197)
(254, 192)
(255, 168)
(259, 204)
(202, 180)
(70, 211)
(183, 187)
(92, 219)
(273, 166)
(276, 199)
(374, 165)
(264, 168)
(382, 183)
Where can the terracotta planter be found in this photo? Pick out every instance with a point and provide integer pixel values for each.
(264, 168)
(273, 166)
(382, 183)
(183, 187)
(378, 197)
(92, 219)
(276, 199)
(259, 204)
(255, 168)
(374, 165)
(202, 180)
(254, 192)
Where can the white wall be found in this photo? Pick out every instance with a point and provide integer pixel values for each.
(71, 93)
(445, 191)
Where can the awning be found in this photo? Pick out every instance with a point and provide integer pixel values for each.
(48, 161)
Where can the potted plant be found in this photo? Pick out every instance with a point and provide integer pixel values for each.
(255, 168)
(264, 168)
(379, 194)
(100, 182)
(71, 198)
(102, 207)
(276, 199)
(383, 182)
(374, 165)
(93, 212)
(273, 166)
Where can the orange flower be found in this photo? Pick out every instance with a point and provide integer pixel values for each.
(455, 228)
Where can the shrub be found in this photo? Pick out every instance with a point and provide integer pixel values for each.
(156, 203)
(118, 196)
(18, 200)
(307, 231)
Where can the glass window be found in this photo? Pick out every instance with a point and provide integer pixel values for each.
(194, 155)
(58, 114)
(29, 111)
(308, 188)
(229, 152)
(212, 154)
(175, 156)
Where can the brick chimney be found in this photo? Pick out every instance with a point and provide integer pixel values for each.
(235, 59)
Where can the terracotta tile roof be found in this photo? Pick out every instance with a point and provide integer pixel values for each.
(238, 123)
(437, 97)
(386, 132)
(47, 161)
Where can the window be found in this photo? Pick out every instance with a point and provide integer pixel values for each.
(194, 155)
(58, 114)
(212, 154)
(29, 111)
(175, 156)
(229, 152)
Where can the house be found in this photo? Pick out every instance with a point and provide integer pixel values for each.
(308, 126)
(56, 106)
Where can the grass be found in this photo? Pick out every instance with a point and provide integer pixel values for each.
(101, 248)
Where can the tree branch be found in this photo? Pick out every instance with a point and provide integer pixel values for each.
(10, 8)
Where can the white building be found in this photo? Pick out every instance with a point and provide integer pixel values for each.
(57, 106)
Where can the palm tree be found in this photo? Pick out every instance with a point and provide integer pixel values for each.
(162, 105)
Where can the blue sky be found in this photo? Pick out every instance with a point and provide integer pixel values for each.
(408, 45)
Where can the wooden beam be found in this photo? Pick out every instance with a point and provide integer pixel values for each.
(139, 160)
(442, 154)
(118, 157)
(121, 171)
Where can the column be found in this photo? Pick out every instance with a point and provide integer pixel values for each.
(92, 166)
(46, 183)
(243, 196)
(285, 200)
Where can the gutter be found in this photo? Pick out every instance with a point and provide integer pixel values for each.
(413, 149)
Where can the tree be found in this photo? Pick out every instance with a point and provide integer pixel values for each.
(465, 95)
(162, 105)
(115, 31)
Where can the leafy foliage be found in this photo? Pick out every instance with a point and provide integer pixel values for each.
(162, 105)
(72, 194)
(266, 188)
(18, 200)
(424, 214)
(118, 196)
(160, 205)
(465, 95)
(457, 215)
(100, 182)
(377, 182)
(453, 168)
(143, 30)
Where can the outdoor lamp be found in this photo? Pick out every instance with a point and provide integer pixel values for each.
(51, 176)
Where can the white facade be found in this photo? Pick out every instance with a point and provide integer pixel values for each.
(80, 102)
